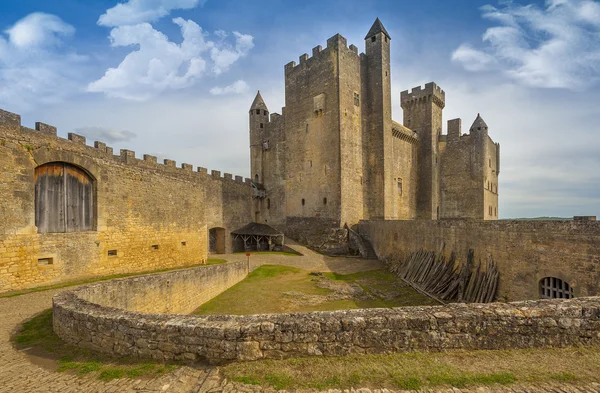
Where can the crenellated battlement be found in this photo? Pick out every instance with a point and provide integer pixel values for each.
(335, 43)
(431, 92)
(11, 122)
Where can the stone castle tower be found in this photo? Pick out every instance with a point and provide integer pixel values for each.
(335, 156)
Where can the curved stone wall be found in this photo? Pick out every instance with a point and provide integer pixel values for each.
(109, 327)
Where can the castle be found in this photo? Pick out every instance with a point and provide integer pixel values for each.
(336, 155)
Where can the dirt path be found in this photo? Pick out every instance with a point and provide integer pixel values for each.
(309, 260)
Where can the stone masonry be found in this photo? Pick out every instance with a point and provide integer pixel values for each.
(334, 153)
(78, 318)
(145, 215)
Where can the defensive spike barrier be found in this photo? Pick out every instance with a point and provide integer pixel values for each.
(441, 280)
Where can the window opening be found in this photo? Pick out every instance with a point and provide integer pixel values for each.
(356, 99)
(324, 201)
(256, 178)
(303, 201)
(262, 125)
(265, 113)
(155, 246)
(184, 244)
(373, 39)
(46, 261)
(268, 203)
(555, 288)
(399, 187)
(112, 253)
(307, 128)
(258, 111)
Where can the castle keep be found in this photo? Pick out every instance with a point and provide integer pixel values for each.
(335, 156)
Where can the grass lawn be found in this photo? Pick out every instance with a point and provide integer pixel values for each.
(103, 278)
(38, 338)
(423, 370)
(281, 289)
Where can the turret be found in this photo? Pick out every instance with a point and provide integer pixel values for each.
(422, 109)
(379, 121)
(479, 125)
(259, 118)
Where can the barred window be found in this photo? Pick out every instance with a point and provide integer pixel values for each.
(555, 288)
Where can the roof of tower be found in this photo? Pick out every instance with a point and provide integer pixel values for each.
(259, 103)
(479, 123)
(376, 29)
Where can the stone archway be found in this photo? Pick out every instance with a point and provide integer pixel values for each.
(216, 241)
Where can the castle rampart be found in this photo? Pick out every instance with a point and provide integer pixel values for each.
(134, 219)
(525, 251)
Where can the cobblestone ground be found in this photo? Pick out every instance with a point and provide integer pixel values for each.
(18, 374)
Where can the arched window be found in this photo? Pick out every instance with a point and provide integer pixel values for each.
(64, 198)
(555, 288)
(256, 178)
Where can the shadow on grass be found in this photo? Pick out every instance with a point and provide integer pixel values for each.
(37, 339)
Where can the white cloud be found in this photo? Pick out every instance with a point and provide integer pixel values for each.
(557, 46)
(224, 57)
(134, 12)
(160, 64)
(106, 134)
(237, 87)
(35, 64)
(38, 29)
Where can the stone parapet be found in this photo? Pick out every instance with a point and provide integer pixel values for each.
(221, 338)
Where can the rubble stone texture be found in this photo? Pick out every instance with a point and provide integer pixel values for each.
(109, 328)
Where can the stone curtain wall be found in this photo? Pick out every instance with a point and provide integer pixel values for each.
(525, 251)
(150, 215)
(528, 324)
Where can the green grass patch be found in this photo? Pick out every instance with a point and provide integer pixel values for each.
(103, 278)
(422, 371)
(38, 337)
(281, 289)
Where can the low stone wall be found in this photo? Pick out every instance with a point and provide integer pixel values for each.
(528, 324)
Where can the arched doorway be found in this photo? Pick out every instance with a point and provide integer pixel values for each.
(216, 241)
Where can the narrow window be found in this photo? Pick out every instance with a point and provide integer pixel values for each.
(256, 178)
(324, 201)
(46, 261)
(490, 162)
(307, 128)
(303, 201)
(268, 203)
(112, 253)
(262, 125)
(356, 99)
(373, 39)
(399, 187)
(265, 113)
(155, 246)
(386, 38)
(258, 111)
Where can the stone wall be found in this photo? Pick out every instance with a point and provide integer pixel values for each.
(529, 324)
(525, 251)
(146, 215)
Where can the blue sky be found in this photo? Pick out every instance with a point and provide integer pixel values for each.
(175, 78)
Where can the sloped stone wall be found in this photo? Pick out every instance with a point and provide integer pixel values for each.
(220, 338)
